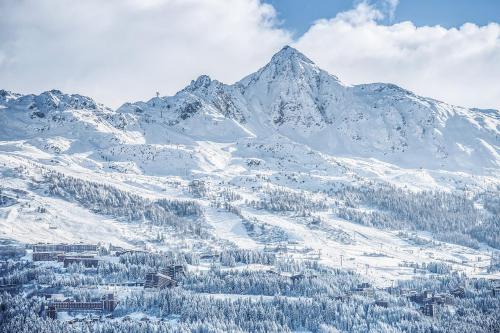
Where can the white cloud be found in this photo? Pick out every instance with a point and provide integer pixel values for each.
(390, 6)
(117, 51)
(460, 66)
(363, 13)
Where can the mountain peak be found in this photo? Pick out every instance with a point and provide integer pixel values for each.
(287, 65)
(202, 82)
(288, 53)
(56, 99)
(6, 95)
(48, 101)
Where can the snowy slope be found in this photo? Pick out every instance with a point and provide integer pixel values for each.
(290, 127)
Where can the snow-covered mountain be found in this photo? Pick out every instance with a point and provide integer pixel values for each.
(289, 97)
(287, 154)
(53, 115)
(292, 97)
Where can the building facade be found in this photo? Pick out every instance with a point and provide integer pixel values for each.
(174, 271)
(79, 247)
(106, 304)
(87, 262)
(45, 256)
(159, 280)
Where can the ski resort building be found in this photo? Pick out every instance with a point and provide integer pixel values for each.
(365, 289)
(212, 256)
(429, 309)
(52, 312)
(87, 262)
(79, 247)
(106, 304)
(61, 257)
(173, 271)
(87, 259)
(159, 280)
(45, 256)
(109, 303)
(424, 297)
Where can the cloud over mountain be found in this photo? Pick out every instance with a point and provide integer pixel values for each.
(127, 50)
(460, 66)
(121, 50)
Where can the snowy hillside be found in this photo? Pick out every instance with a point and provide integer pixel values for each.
(288, 157)
(293, 97)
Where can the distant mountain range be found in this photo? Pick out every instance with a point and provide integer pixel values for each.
(288, 99)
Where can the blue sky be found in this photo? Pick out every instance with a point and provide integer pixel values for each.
(298, 15)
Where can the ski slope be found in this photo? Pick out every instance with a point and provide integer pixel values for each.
(289, 126)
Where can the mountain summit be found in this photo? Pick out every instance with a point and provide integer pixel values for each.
(289, 56)
(286, 64)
